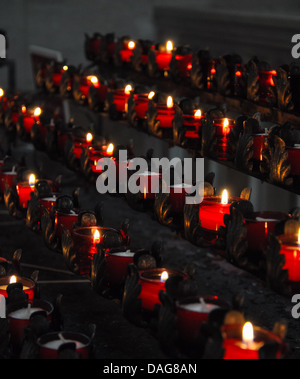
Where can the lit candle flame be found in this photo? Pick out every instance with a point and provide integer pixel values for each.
(37, 111)
(169, 46)
(226, 128)
(13, 279)
(1, 92)
(151, 95)
(169, 102)
(31, 180)
(128, 89)
(110, 148)
(94, 79)
(23, 109)
(164, 276)
(96, 236)
(198, 113)
(65, 68)
(224, 199)
(89, 137)
(131, 45)
(248, 333)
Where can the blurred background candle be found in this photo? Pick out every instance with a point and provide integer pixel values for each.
(117, 265)
(223, 127)
(24, 190)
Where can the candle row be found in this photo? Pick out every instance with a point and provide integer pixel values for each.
(228, 75)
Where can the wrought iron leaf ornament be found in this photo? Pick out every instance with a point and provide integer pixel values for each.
(275, 162)
(33, 213)
(48, 230)
(252, 82)
(11, 200)
(68, 251)
(276, 276)
(152, 67)
(208, 140)
(236, 243)
(222, 77)
(244, 152)
(131, 112)
(98, 271)
(153, 125)
(196, 73)
(131, 304)
(283, 90)
(163, 208)
(178, 127)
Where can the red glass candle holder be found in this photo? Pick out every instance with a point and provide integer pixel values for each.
(223, 127)
(28, 285)
(19, 319)
(259, 141)
(28, 119)
(8, 177)
(192, 124)
(294, 159)
(65, 219)
(50, 343)
(149, 183)
(235, 348)
(178, 193)
(117, 261)
(290, 248)
(211, 214)
(24, 190)
(259, 226)
(265, 82)
(48, 203)
(193, 312)
(120, 100)
(85, 244)
(165, 115)
(152, 282)
(141, 104)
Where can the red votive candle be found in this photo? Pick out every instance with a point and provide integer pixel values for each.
(20, 318)
(141, 104)
(192, 312)
(48, 203)
(28, 285)
(117, 265)
(193, 124)
(50, 343)
(178, 193)
(86, 240)
(212, 210)
(259, 141)
(259, 226)
(149, 183)
(165, 113)
(294, 159)
(121, 97)
(152, 282)
(244, 341)
(223, 127)
(65, 219)
(290, 248)
(8, 177)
